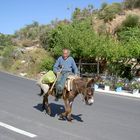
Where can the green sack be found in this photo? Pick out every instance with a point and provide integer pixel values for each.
(49, 77)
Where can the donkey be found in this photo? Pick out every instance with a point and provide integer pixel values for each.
(80, 86)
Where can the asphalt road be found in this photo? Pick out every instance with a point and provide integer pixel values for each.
(109, 118)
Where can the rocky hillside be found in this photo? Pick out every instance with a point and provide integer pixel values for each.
(111, 26)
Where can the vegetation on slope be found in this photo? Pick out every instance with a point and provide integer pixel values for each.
(35, 47)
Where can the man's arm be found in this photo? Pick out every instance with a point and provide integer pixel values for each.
(56, 67)
(74, 67)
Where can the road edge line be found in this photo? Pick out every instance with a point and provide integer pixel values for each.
(17, 130)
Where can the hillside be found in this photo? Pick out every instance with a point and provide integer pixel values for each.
(111, 26)
(116, 22)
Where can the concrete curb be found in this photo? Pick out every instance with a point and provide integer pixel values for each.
(123, 93)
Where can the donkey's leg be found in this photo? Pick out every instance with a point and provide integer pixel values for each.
(64, 114)
(46, 104)
(69, 105)
(69, 110)
(67, 113)
(45, 89)
(41, 92)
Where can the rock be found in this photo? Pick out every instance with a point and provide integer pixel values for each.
(23, 61)
(23, 74)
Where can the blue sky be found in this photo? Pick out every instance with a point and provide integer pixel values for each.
(15, 14)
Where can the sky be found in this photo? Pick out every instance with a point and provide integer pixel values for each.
(15, 14)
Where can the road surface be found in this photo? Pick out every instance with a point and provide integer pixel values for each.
(21, 118)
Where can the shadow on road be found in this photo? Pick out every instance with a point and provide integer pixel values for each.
(39, 107)
(57, 109)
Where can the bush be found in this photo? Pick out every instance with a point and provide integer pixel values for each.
(44, 38)
(30, 31)
(131, 21)
(125, 34)
(129, 29)
(109, 12)
(134, 47)
(135, 85)
(37, 60)
(103, 6)
(47, 64)
(130, 4)
(7, 57)
(16, 66)
(119, 84)
(5, 40)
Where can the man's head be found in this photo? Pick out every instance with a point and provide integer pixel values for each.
(66, 53)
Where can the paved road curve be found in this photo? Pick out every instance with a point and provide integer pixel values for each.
(110, 117)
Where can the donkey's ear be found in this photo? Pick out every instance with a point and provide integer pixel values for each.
(90, 82)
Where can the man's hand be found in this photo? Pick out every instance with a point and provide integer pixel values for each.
(57, 74)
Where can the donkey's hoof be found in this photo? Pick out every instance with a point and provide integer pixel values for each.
(69, 118)
(49, 113)
(43, 107)
(61, 117)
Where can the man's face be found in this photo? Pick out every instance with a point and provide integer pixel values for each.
(65, 54)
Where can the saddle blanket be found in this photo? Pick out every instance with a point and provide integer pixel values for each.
(69, 82)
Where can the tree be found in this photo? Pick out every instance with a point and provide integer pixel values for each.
(78, 36)
(85, 44)
(82, 14)
(5, 40)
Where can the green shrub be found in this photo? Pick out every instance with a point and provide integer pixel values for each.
(109, 12)
(5, 40)
(131, 21)
(7, 57)
(103, 5)
(30, 31)
(130, 4)
(16, 66)
(135, 85)
(44, 38)
(125, 34)
(47, 64)
(119, 84)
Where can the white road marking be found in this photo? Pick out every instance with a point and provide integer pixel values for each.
(17, 130)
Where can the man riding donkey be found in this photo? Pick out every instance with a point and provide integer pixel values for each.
(65, 68)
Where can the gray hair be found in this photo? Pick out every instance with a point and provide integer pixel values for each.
(68, 50)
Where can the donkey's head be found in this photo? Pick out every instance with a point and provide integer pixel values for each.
(88, 93)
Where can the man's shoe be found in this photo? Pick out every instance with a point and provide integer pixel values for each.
(57, 97)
